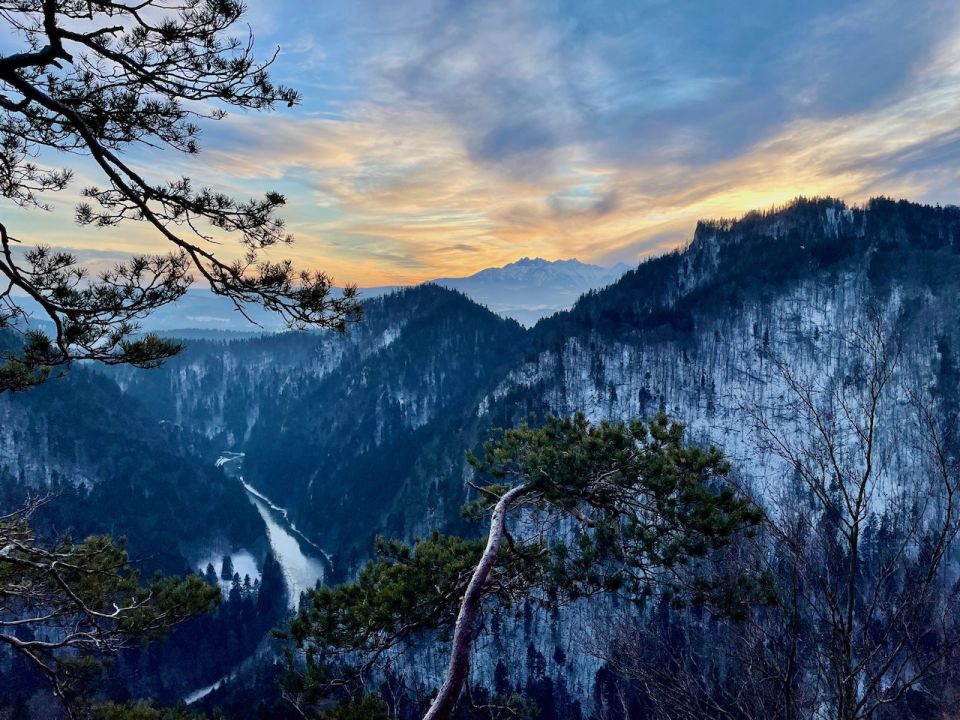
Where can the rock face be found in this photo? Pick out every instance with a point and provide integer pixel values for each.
(365, 434)
(701, 333)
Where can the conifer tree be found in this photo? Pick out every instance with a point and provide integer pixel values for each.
(67, 605)
(226, 568)
(644, 506)
(272, 598)
(105, 79)
(236, 591)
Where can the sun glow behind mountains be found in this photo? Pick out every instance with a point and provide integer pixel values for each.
(437, 139)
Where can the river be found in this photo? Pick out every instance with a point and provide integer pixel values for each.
(300, 570)
(304, 564)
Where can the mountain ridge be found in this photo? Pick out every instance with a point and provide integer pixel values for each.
(365, 434)
(729, 268)
(530, 289)
(525, 290)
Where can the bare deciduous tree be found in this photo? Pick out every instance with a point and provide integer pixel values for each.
(692, 665)
(859, 535)
(868, 537)
(63, 605)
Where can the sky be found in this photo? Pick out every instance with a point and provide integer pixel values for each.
(439, 138)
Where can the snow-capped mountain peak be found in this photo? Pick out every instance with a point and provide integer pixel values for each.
(529, 289)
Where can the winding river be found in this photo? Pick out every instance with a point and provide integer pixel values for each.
(304, 564)
(300, 570)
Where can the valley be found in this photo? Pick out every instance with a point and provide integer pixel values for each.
(304, 564)
(314, 445)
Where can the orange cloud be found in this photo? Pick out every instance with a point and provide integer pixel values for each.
(392, 194)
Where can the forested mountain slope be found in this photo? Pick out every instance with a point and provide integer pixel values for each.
(699, 332)
(356, 435)
(111, 467)
(365, 434)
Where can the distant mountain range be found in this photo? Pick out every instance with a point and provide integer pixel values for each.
(364, 434)
(533, 288)
(526, 290)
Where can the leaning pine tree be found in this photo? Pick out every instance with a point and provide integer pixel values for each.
(574, 509)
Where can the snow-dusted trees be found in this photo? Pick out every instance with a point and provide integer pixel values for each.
(866, 533)
(860, 538)
(575, 509)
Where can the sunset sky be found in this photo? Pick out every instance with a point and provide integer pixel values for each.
(438, 138)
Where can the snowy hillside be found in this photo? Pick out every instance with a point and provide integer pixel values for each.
(365, 434)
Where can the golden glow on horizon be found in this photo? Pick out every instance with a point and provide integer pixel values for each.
(393, 196)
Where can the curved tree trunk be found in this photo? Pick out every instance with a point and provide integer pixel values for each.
(457, 670)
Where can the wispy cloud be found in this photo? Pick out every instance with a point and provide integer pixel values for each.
(441, 137)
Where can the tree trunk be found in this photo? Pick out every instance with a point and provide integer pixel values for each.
(457, 670)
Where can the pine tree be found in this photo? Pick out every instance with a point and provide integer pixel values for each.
(272, 598)
(559, 656)
(501, 679)
(226, 568)
(102, 79)
(86, 596)
(648, 507)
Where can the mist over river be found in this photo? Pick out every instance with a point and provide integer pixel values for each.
(300, 570)
(302, 562)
